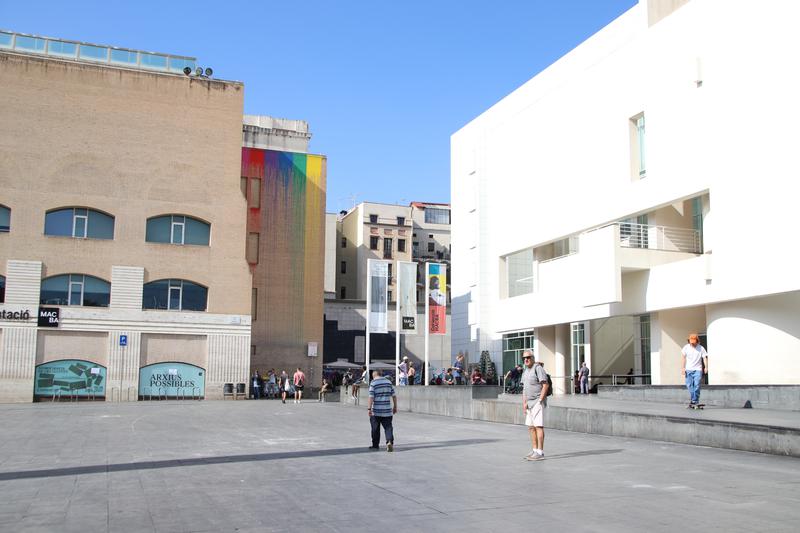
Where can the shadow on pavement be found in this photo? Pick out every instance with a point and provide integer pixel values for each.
(578, 454)
(223, 459)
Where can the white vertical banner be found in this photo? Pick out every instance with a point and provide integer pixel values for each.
(377, 306)
(407, 296)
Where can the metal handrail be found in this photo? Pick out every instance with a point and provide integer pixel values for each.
(160, 396)
(635, 235)
(624, 377)
(56, 393)
(119, 394)
(196, 396)
(147, 392)
(128, 393)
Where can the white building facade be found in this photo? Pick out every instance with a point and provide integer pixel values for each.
(639, 189)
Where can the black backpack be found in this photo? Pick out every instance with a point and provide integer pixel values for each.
(549, 385)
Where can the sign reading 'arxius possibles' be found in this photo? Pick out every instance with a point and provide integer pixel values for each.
(172, 380)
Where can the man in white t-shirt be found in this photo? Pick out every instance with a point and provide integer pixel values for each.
(694, 362)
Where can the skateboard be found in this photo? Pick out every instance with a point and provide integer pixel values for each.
(696, 406)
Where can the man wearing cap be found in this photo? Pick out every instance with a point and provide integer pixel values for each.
(694, 362)
(534, 402)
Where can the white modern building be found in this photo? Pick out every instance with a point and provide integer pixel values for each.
(642, 187)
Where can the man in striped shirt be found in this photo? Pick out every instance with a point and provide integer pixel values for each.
(382, 405)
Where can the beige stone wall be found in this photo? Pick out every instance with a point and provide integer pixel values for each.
(87, 345)
(133, 144)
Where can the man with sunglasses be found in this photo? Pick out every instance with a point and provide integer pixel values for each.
(534, 402)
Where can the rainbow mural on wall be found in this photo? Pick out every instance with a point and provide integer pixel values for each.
(289, 273)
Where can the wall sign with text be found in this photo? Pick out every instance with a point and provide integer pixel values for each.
(172, 380)
(69, 377)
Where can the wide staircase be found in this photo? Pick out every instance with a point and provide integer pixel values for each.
(755, 418)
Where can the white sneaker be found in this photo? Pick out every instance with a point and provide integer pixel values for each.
(536, 456)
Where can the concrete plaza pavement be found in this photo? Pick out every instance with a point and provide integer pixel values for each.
(265, 466)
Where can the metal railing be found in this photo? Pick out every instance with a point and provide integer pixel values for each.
(630, 379)
(94, 53)
(633, 235)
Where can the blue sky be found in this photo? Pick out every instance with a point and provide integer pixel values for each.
(383, 84)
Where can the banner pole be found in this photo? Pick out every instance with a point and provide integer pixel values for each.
(369, 312)
(397, 327)
(427, 325)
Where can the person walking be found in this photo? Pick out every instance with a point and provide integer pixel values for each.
(694, 362)
(255, 386)
(382, 406)
(285, 385)
(534, 403)
(299, 380)
(583, 377)
(359, 383)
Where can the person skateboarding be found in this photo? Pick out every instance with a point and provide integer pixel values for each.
(694, 362)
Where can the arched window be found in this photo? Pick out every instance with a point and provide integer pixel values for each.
(5, 219)
(175, 295)
(177, 229)
(75, 289)
(79, 222)
(2, 289)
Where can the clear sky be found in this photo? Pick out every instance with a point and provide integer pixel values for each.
(382, 83)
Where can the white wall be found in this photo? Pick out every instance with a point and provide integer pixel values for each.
(755, 341)
(553, 159)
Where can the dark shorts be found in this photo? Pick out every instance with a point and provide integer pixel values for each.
(298, 388)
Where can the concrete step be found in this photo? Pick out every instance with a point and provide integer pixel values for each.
(778, 397)
(757, 430)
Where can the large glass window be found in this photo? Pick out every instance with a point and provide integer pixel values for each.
(640, 139)
(174, 295)
(435, 215)
(578, 330)
(513, 346)
(75, 289)
(5, 219)
(373, 242)
(2, 289)
(177, 229)
(519, 271)
(80, 223)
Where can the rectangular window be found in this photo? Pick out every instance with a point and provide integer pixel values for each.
(344, 242)
(519, 272)
(435, 215)
(343, 293)
(252, 247)
(243, 185)
(431, 246)
(343, 269)
(638, 148)
(401, 221)
(401, 245)
(254, 304)
(252, 349)
(373, 243)
(390, 275)
(513, 346)
(175, 295)
(373, 219)
(79, 223)
(76, 290)
(178, 225)
(254, 199)
(565, 247)
(388, 296)
(387, 248)
(578, 345)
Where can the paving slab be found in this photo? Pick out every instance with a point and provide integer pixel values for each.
(266, 466)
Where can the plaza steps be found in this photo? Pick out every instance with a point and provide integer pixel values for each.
(772, 431)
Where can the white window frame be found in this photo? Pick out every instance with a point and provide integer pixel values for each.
(75, 217)
(179, 288)
(75, 280)
(175, 223)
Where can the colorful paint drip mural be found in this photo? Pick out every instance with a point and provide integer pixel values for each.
(286, 225)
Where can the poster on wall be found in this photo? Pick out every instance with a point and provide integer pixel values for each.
(173, 380)
(376, 305)
(407, 296)
(69, 377)
(437, 298)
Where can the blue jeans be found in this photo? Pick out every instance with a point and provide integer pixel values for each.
(693, 378)
(403, 380)
(376, 422)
